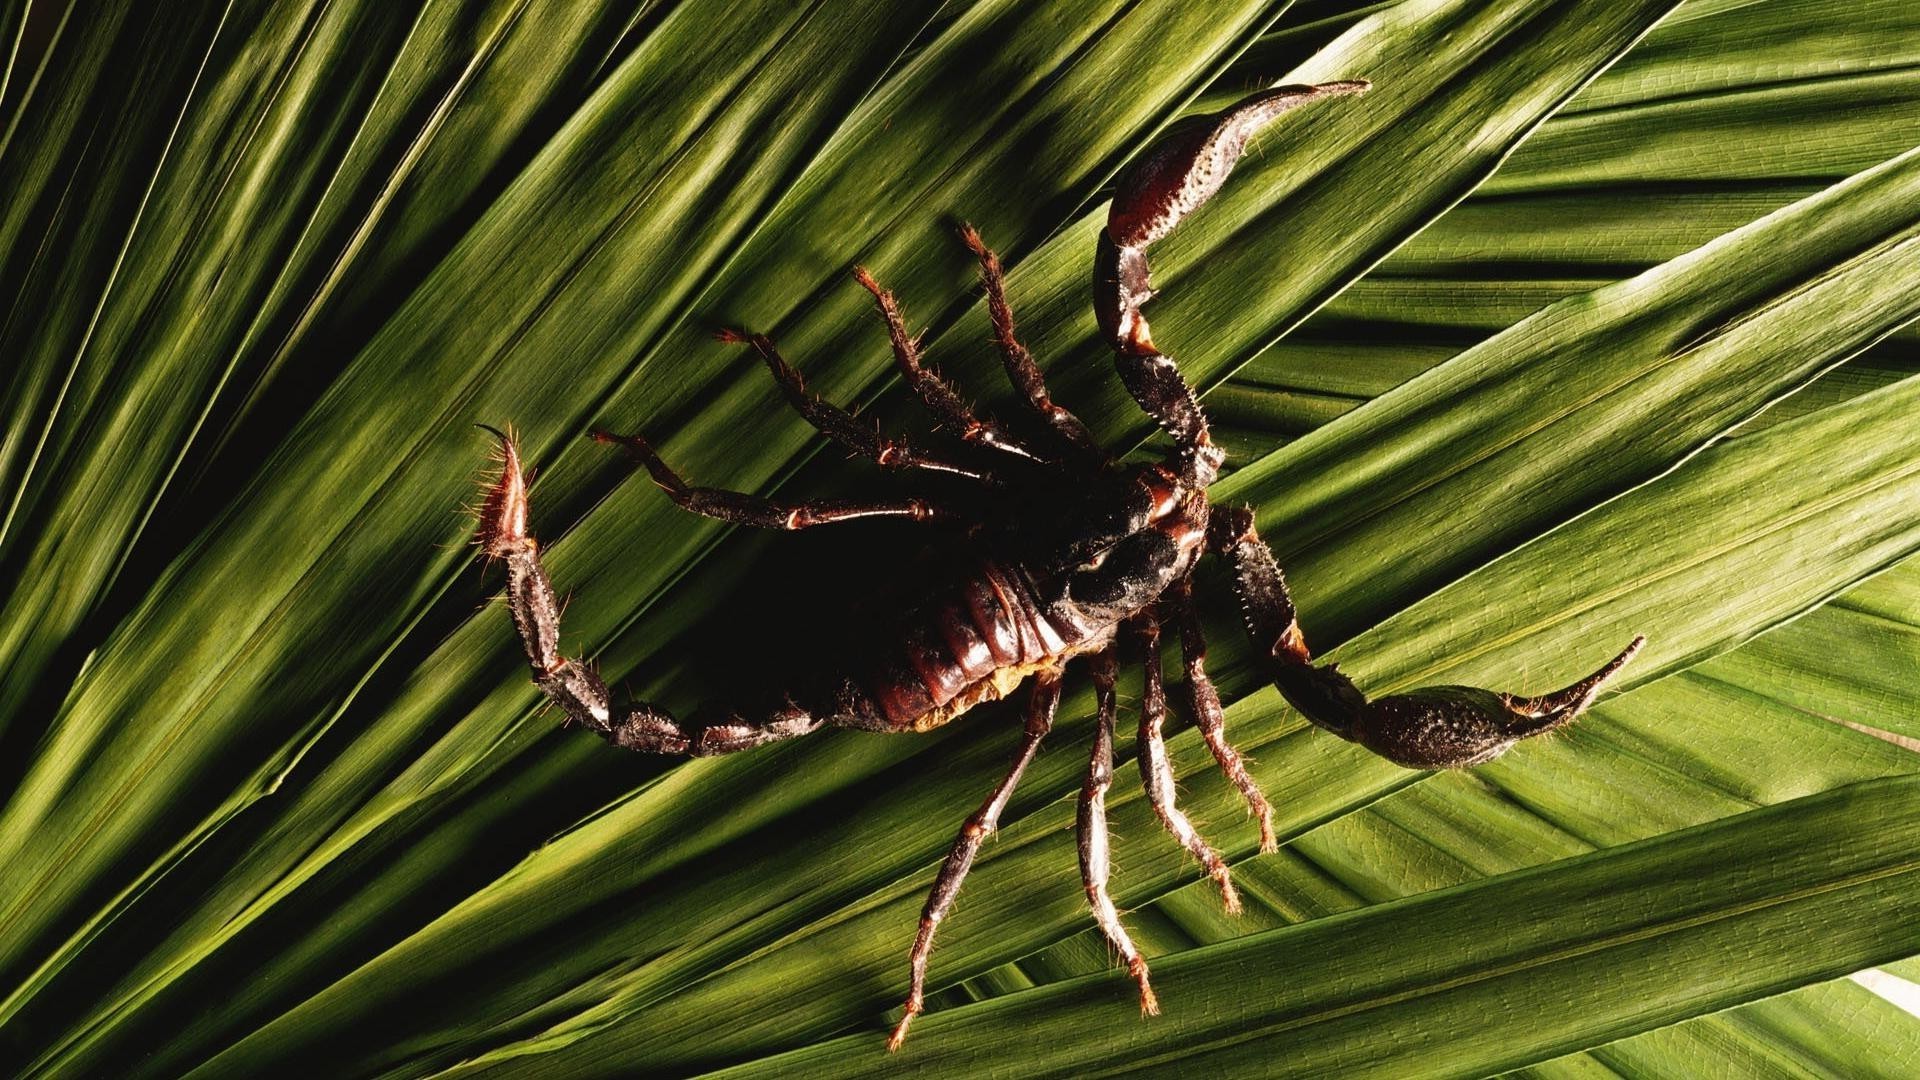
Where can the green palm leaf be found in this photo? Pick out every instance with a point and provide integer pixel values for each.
(278, 794)
(1626, 938)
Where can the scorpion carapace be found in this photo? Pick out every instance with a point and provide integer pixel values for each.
(1113, 558)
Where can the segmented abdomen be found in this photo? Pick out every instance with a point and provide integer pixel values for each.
(972, 645)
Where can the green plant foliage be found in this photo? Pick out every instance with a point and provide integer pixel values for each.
(275, 793)
(1624, 938)
(1830, 84)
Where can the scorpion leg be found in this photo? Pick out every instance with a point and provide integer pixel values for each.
(933, 391)
(745, 509)
(1172, 179)
(1158, 774)
(1021, 369)
(982, 822)
(1208, 714)
(839, 425)
(575, 687)
(1094, 861)
(1435, 727)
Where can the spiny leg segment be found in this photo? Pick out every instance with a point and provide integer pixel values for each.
(837, 424)
(1204, 702)
(1157, 773)
(1021, 370)
(744, 509)
(1044, 700)
(1095, 858)
(933, 391)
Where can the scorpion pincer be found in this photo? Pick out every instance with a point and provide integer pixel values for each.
(1111, 558)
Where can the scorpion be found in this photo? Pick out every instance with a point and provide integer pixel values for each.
(1111, 557)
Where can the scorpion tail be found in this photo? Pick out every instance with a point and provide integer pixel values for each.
(577, 689)
(1177, 176)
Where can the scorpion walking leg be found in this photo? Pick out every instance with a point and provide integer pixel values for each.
(1434, 727)
(1158, 774)
(744, 509)
(1208, 714)
(839, 425)
(1094, 860)
(1021, 370)
(933, 391)
(574, 686)
(1041, 705)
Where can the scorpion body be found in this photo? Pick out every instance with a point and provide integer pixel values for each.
(1080, 553)
(1028, 614)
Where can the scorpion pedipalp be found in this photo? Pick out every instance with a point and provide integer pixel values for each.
(1171, 180)
(1434, 727)
(1192, 160)
(1441, 727)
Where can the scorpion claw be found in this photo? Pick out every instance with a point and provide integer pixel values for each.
(1449, 726)
(1435, 727)
(1193, 159)
(1174, 178)
(1557, 708)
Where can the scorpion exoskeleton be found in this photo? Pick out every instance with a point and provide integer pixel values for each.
(1113, 555)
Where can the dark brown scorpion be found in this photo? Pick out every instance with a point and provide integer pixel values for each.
(1111, 555)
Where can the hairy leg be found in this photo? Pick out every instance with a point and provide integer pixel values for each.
(762, 513)
(1208, 714)
(1021, 370)
(1158, 774)
(933, 391)
(979, 825)
(1092, 831)
(858, 437)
